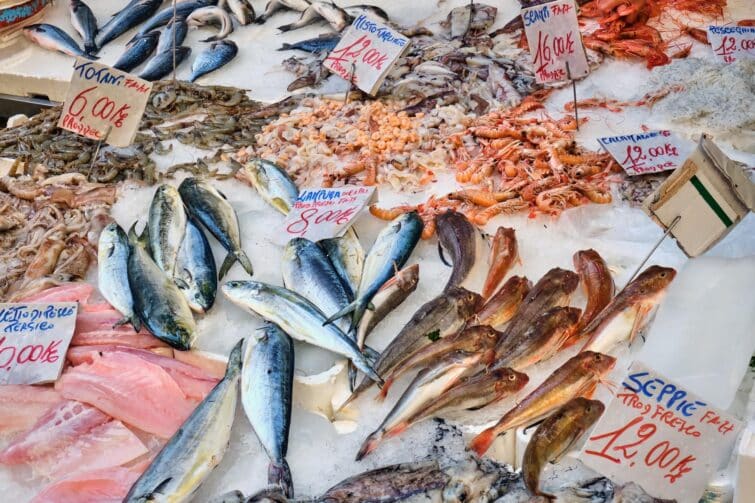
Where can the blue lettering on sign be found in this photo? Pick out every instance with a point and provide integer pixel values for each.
(534, 15)
(101, 76)
(319, 195)
(631, 137)
(362, 23)
(23, 318)
(728, 30)
(667, 393)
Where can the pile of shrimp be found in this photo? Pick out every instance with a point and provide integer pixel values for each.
(49, 229)
(624, 31)
(326, 142)
(509, 163)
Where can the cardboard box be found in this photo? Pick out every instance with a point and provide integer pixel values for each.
(709, 192)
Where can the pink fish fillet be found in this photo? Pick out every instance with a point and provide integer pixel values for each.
(109, 485)
(58, 427)
(117, 337)
(131, 389)
(213, 365)
(102, 319)
(21, 406)
(71, 292)
(194, 382)
(104, 446)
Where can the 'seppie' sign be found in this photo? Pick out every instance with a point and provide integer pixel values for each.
(659, 434)
(372, 48)
(320, 213)
(34, 339)
(553, 37)
(648, 152)
(731, 43)
(103, 103)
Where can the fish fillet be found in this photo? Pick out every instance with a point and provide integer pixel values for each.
(72, 292)
(22, 405)
(117, 337)
(128, 388)
(59, 426)
(109, 485)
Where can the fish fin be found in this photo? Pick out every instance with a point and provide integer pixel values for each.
(90, 48)
(369, 445)
(226, 266)
(442, 256)
(536, 423)
(372, 355)
(211, 39)
(370, 306)
(353, 374)
(245, 262)
(122, 321)
(639, 321)
(482, 442)
(224, 196)
(340, 314)
(136, 323)
(590, 391)
(286, 47)
(384, 390)
(160, 486)
(279, 474)
(286, 27)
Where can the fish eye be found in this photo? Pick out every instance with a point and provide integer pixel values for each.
(512, 377)
(663, 274)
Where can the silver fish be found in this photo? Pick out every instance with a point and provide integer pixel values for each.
(266, 387)
(183, 9)
(389, 253)
(275, 5)
(53, 38)
(85, 23)
(210, 207)
(243, 10)
(112, 272)
(167, 226)
(272, 183)
(216, 56)
(162, 64)
(157, 300)
(211, 15)
(199, 445)
(429, 384)
(298, 317)
(133, 14)
(372, 10)
(137, 51)
(464, 243)
(347, 255)
(174, 33)
(389, 297)
(196, 274)
(330, 12)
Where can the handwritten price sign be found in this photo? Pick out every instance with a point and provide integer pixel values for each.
(660, 435)
(104, 101)
(372, 48)
(34, 339)
(731, 43)
(554, 40)
(321, 213)
(648, 152)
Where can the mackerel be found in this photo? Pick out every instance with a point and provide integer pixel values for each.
(133, 14)
(196, 274)
(167, 226)
(272, 183)
(112, 272)
(85, 23)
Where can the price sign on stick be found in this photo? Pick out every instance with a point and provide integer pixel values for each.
(660, 435)
(34, 339)
(371, 49)
(648, 152)
(553, 37)
(320, 213)
(103, 103)
(731, 43)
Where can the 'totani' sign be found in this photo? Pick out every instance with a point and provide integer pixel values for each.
(103, 103)
(34, 339)
(372, 48)
(648, 152)
(320, 213)
(731, 43)
(553, 37)
(658, 434)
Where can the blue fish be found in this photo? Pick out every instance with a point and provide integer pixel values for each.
(137, 51)
(136, 12)
(162, 64)
(183, 9)
(177, 28)
(53, 38)
(212, 58)
(85, 23)
(323, 43)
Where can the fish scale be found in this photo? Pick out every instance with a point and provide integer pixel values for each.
(136, 12)
(112, 272)
(216, 56)
(85, 23)
(137, 51)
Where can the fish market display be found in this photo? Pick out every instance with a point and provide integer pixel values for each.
(53, 38)
(216, 56)
(266, 387)
(274, 6)
(85, 23)
(165, 16)
(198, 447)
(272, 183)
(329, 11)
(555, 436)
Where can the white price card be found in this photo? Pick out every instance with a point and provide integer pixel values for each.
(661, 436)
(553, 37)
(34, 339)
(103, 103)
(371, 49)
(731, 43)
(321, 213)
(648, 152)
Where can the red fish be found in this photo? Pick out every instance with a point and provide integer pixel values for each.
(503, 253)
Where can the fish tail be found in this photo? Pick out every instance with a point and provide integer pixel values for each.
(384, 390)
(226, 266)
(340, 314)
(352, 377)
(366, 383)
(90, 48)
(279, 474)
(136, 323)
(234, 360)
(285, 47)
(482, 442)
(286, 27)
(245, 262)
(211, 39)
(260, 20)
(370, 444)
(365, 366)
